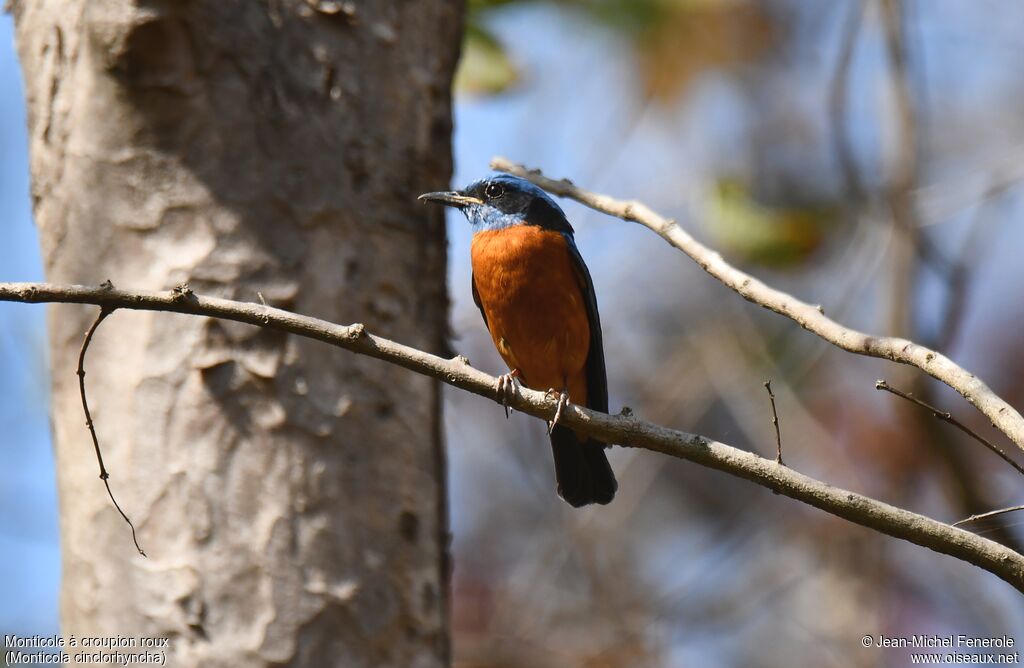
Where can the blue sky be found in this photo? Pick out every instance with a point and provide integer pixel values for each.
(29, 547)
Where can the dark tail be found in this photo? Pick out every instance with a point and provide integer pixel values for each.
(581, 469)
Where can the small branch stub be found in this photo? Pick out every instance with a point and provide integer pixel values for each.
(356, 331)
(775, 423)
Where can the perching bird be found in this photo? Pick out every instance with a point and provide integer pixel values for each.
(538, 302)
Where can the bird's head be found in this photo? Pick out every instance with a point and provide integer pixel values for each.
(502, 201)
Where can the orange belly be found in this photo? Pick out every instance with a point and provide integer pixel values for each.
(535, 310)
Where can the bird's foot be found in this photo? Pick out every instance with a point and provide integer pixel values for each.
(508, 386)
(563, 399)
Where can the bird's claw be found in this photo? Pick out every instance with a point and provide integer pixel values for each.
(508, 386)
(563, 399)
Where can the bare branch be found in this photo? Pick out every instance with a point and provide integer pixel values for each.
(946, 416)
(812, 318)
(104, 476)
(623, 428)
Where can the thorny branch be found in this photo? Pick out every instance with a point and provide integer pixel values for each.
(812, 318)
(623, 428)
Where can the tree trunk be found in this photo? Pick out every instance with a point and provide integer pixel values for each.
(290, 497)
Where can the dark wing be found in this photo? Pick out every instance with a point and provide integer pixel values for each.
(476, 299)
(597, 379)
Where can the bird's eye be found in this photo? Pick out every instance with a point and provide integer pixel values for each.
(494, 190)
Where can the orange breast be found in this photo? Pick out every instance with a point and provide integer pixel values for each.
(535, 310)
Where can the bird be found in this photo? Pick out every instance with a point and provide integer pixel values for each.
(537, 299)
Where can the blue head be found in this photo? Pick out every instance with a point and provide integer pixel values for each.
(502, 201)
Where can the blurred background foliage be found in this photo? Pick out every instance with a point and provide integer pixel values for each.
(673, 41)
(864, 155)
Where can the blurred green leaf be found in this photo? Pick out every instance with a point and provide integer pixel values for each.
(780, 237)
(485, 67)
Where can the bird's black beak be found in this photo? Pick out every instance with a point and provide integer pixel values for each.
(451, 198)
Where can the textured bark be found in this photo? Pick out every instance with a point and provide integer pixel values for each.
(290, 497)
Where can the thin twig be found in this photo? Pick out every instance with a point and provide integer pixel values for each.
(624, 428)
(104, 476)
(946, 416)
(1002, 415)
(991, 513)
(775, 423)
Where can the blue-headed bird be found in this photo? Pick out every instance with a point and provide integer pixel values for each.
(538, 303)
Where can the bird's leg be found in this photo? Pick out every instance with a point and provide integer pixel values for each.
(563, 399)
(508, 386)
